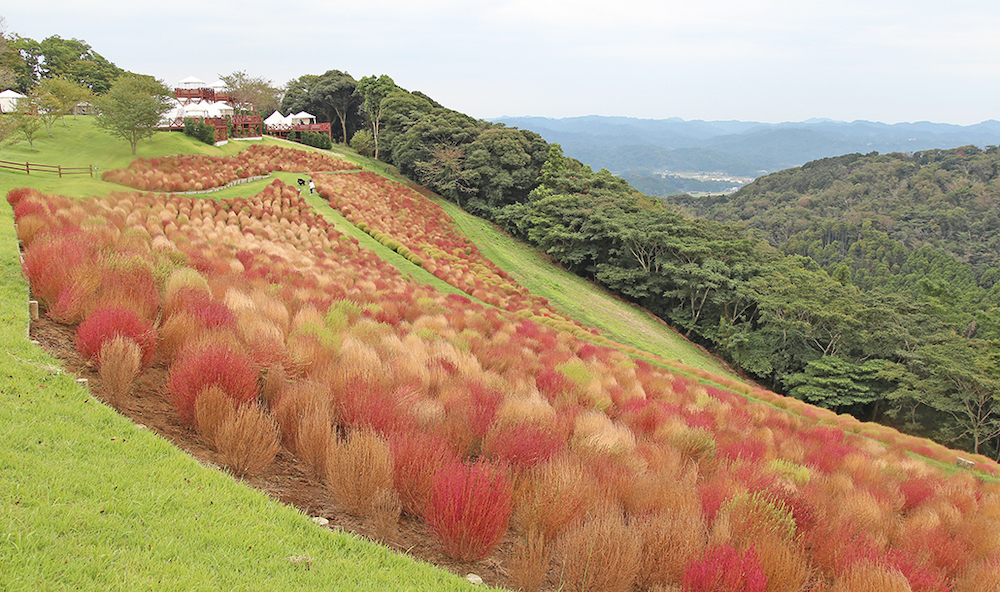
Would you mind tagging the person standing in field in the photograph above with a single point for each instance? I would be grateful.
(312, 186)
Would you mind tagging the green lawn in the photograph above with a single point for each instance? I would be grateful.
(89, 501)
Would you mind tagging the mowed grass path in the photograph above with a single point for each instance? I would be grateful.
(89, 501)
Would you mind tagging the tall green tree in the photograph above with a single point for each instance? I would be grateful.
(329, 96)
(960, 380)
(8, 57)
(133, 107)
(75, 60)
(504, 164)
(373, 91)
(840, 384)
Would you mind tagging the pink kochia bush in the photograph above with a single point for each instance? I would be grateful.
(724, 569)
(108, 322)
(470, 509)
(208, 363)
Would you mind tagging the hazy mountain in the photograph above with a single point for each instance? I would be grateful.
(738, 148)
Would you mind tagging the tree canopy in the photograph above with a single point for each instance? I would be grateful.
(55, 57)
(252, 93)
(132, 108)
(330, 97)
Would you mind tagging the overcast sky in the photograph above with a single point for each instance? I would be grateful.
(769, 60)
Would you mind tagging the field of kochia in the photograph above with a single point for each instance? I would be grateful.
(515, 432)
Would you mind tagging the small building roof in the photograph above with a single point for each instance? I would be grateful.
(191, 82)
(11, 94)
(277, 118)
(302, 116)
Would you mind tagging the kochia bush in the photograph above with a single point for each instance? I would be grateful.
(470, 509)
(108, 322)
(206, 363)
(724, 569)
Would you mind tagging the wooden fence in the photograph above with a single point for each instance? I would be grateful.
(30, 167)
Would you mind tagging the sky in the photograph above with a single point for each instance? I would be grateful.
(769, 60)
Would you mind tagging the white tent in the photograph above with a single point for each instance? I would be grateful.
(277, 118)
(8, 100)
(199, 109)
(191, 82)
(302, 118)
(218, 85)
(219, 109)
(176, 112)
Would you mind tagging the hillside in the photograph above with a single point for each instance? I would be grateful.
(919, 231)
(531, 399)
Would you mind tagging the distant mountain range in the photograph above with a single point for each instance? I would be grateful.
(657, 148)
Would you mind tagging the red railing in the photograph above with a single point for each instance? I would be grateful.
(29, 167)
(284, 128)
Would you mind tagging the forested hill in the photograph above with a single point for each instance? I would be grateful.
(927, 221)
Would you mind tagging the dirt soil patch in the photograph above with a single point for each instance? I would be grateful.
(286, 480)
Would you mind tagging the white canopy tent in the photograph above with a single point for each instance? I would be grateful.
(302, 118)
(8, 100)
(277, 118)
(191, 82)
(219, 109)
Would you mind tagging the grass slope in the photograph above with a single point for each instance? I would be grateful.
(89, 501)
(580, 299)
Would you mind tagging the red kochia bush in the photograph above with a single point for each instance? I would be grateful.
(417, 458)
(523, 445)
(724, 569)
(49, 264)
(108, 322)
(470, 509)
(17, 194)
(210, 363)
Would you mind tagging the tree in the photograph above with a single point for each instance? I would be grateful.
(373, 92)
(503, 164)
(330, 97)
(49, 108)
(25, 119)
(333, 93)
(961, 380)
(255, 94)
(67, 94)
(7, 57)
(8, 132)
(75, 60)
(836, 383)
(132, 108)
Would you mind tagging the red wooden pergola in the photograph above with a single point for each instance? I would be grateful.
(247, 126)
(283, 129)
(186, 95)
